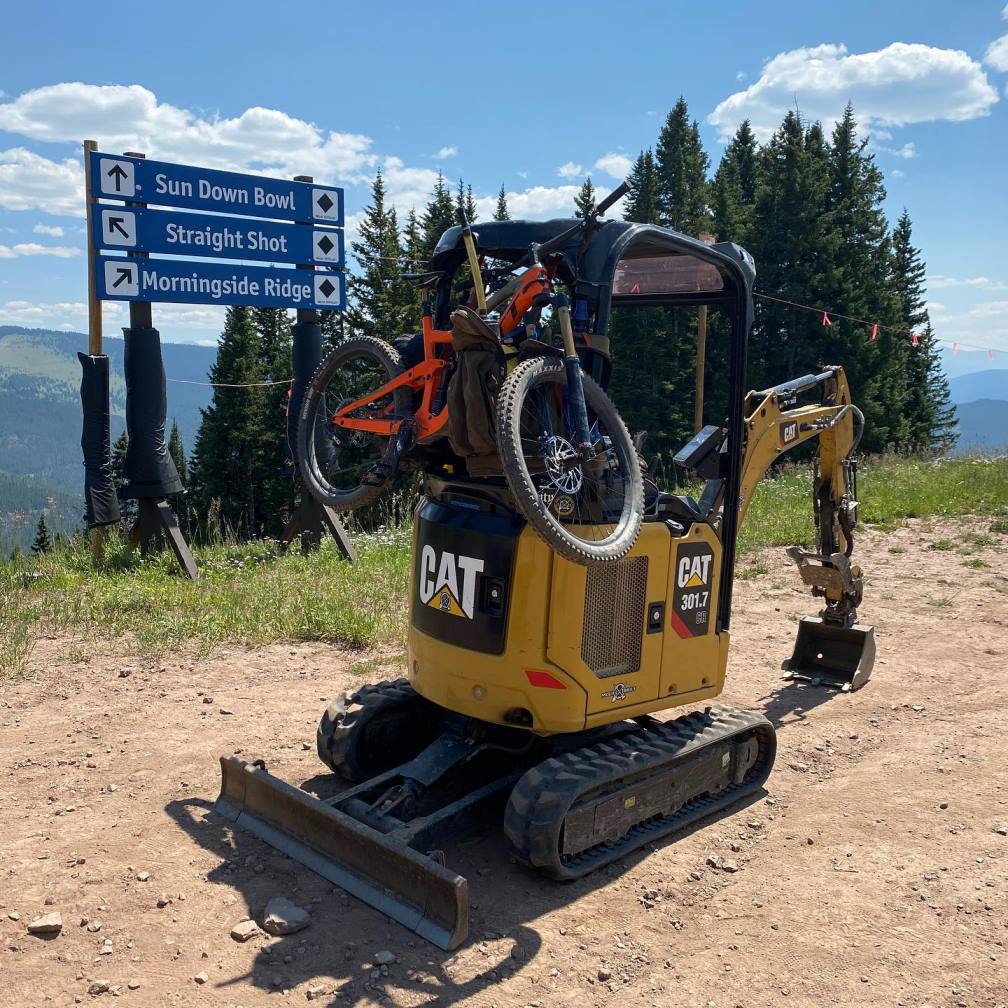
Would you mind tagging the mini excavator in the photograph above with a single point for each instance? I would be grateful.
(534, 681)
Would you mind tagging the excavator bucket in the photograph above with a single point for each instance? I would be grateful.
(831, 655)
(416, 890)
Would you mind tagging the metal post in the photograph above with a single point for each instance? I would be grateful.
(310, 518)
(701, 354)
(94, 312)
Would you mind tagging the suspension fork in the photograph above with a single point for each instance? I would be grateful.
(575, 385)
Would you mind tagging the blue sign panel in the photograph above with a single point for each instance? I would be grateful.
(188, 234)
(121, 279)
(114, 176)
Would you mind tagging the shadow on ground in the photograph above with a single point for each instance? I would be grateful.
(345, 934)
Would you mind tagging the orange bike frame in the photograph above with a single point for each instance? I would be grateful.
(425, 377)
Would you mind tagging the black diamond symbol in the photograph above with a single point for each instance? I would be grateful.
(326, 244)
(325, 202)
(327, 288)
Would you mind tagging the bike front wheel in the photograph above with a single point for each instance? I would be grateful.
(588, 511)
(340, 466)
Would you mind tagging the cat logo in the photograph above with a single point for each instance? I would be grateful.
(448, 583)
(694, 571)
(788, 432)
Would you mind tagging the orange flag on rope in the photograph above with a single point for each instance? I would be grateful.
(874, 332)
(826, 319)
(914, 339)
(955, 348)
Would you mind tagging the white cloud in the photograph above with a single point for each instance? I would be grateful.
(570, 170)
(997, 54)
(938, 281)
(48, 229)
(741, 75)
(614, 164)
(34, 249)
(130, 117)
(31, 182)
(898, 173)
(73, 315)
(900, 84)
(447, 152)
(544, 202)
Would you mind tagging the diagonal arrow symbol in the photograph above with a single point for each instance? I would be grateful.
(116, 224)
(118, 173)
(124, 275)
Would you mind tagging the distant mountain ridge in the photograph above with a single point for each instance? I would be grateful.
(40, 412)
(41, 466)
(992, 384)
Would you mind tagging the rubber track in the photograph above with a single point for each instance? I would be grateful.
(541, 799)
(346, 717)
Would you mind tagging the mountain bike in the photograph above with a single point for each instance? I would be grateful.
(564, 452)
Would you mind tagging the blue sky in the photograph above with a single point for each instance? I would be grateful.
(531, 96)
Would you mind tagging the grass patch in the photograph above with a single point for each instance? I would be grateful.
(942, 544)
(750, 572)
(976, 563)
(890, 489)
(249, 595)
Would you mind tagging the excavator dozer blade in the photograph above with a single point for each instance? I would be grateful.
(835, 656)
(417, 891)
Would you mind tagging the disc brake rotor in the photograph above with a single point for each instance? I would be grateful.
(557, 451)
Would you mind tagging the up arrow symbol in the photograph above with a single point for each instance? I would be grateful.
(118, 173)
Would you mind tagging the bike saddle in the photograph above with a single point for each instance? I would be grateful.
(424, 279)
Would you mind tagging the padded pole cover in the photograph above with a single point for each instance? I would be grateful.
(150, 471)
(306, 355)
(101, 505)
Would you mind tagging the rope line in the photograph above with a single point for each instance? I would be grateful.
(852, 318)
(206, 384)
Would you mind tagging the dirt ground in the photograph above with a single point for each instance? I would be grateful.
(872, 873)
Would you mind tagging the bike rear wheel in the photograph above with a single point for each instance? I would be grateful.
(587, 511)
(341, 467)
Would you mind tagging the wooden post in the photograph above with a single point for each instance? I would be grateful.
(94, 311)
(701, 354)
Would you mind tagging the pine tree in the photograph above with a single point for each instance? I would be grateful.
(127, 508)
(931, 414)
(227, 458)
(642, 200)
(584, 201)
(43, 542)
(682, 173)
(733, 189)
(437, 217)
(375, 287)
(177, 453)
(501, 213)
(788, 239)
(859, 281)
(464, 203)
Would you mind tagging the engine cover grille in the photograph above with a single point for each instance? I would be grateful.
(614, 617)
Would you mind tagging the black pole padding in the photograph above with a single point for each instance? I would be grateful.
(149, 469)
(306, 355)
(101, 505)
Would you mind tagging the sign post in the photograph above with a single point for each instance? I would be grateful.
(232, 239)
(310, 517)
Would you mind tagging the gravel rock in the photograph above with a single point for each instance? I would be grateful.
(317, 990)
(163, 901)
(49, 924)
(98, 987)
(384, 958)
(244, 930)
(133, 984)
(799, 767)
(142, 876)
(603, 975)
(284, 918)
(728, 865)
(201, 978)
